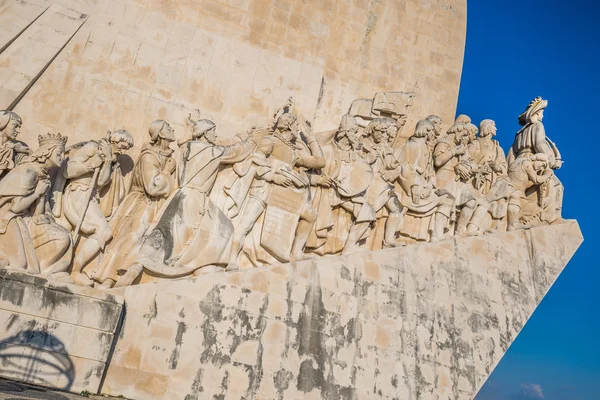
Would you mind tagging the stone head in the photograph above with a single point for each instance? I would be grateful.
(540, 161)
(10, 125)
(487, 127)
(160, 129)
(287, 126)
(205, 128)
(437, 124)
(379, 129)
(534, 112)
(424, 129)
(121, 141)
(51, 150)
(349, 129)
(471, 132)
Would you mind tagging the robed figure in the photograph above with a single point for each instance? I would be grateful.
(152, 181)
(190, 231)
(531, 140)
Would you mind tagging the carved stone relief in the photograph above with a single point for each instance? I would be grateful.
(280, 193)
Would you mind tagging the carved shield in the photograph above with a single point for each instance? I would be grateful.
(354, 178)
(281, 220)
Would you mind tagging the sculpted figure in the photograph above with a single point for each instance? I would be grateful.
(490, 172)
(344, 216)
(88, 168)
(532, 139)
(152, 181)
(11, 151)
(282, 194)
(190, 231)
(530, 174)
(30, 240)
(454, 170)
(436, 134)
(381, 196)
(428, 209)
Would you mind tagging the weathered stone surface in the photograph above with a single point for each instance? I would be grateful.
(134, 61)
(55, 335)
(420, 322)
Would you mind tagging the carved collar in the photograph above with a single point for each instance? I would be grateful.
(149, 147)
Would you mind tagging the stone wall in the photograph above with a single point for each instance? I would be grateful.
(428, 321)
(133, 61)
(55, 335)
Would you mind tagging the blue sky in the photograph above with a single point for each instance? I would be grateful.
(517, 50)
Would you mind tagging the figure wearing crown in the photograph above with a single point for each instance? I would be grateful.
(30, 240)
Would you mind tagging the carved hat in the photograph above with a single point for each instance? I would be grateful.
(534, 107)
(7, 116)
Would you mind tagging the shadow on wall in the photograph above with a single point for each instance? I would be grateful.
(36, 357)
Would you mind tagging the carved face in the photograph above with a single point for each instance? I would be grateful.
(57, 157)
(379, 135)
(211, 135)
(120, 147)
(13, 129)
(540, 166)
(354, 138)
(540, 115)
(167, 133)
(489, 130)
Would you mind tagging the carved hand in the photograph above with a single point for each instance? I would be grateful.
(42, 187)
(282, 180)
(325, 181)
(104, 150)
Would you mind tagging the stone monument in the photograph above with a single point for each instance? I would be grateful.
(278, 234)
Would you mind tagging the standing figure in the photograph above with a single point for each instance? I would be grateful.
(152, 181)
(22, 208)
(344, 216)
(381, 195)
(428, 209)
(89, 167)
(435, 135)
(284, 192)
(532, 139)
(454, 171)
(490, 176)
(11, 151)
(190, 232)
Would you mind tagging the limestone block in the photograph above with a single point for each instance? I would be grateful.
(55, 335)
(425, 321)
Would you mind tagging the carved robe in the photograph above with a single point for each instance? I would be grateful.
(147, 193)
(190, 231)
(417, 190)
(484, 152)
(340, 207)
(16, 247)
(31, 239)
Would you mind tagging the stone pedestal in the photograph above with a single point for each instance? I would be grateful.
(428, 321)
(55, 335)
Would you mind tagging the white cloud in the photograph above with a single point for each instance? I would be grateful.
(532, 391)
